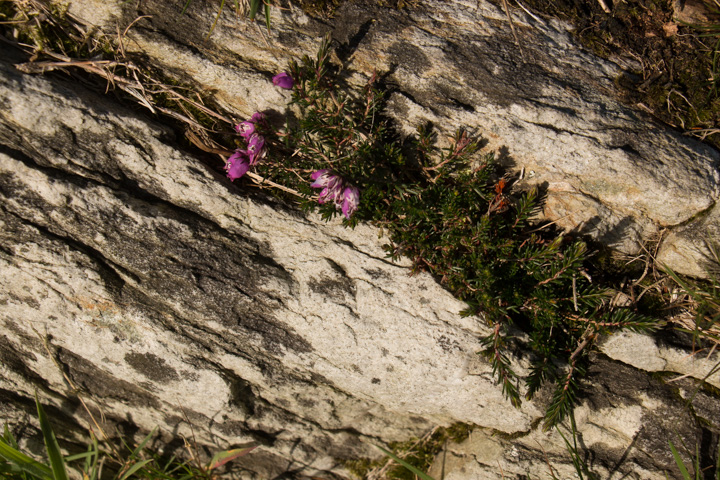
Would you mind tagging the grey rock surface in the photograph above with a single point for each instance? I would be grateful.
(643, 352)
(163, 291)
(628, 416)
(546, 104)
(135, 273)
(692, 248)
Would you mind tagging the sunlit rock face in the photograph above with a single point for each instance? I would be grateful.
(547, 106)
(135, 273)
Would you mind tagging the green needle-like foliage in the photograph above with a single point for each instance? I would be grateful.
(455, 214)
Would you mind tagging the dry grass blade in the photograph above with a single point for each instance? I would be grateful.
(512, 28)
(257, 179)
(144, 89)
(76, 391)
(173, 93)
(101, 68)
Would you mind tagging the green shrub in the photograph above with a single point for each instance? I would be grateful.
(454, 213)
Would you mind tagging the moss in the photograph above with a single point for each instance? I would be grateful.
(597, 45)
(418, 453)
(674, 83)
(459, 432)
(319, 7)
(535, 424)
(7, 11)
(710, 389)
(361, 467)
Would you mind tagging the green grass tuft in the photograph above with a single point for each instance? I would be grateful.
(135, 462)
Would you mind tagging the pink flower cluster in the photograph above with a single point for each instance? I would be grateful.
(240, 162)
(345, 197)
(334, 189)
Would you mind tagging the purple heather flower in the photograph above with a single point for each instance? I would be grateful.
(331, 185)
(329, 194)
(320, 177)
(351, 198)
(248, 127)
(256, 150)
(283, 80)
(245, 129)
(237, 165)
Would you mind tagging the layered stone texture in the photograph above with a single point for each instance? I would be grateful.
(137, 277)
(549, 107)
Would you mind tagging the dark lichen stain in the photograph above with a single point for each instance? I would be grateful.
(409, 55)
(149, 386)
(376, 273)
(152, 366)
(188, 417)
(276, 337)
(335, 289)
(448, 344)
(375, 380)
(626, 387)
(335, 285)
(232, 428)
(490, 65)
(317, 379)
(101, 384)
(677, 76)
(242, 396)
(306, 402)
(16, 359)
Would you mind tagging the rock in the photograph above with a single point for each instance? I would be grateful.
(695, 12)
(643, 352)
(688, 250)
(164, 292)
(136, 275)
(626, 414)
(551, 107)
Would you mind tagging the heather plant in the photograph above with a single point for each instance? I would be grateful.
(456, 215)
(452, 211)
